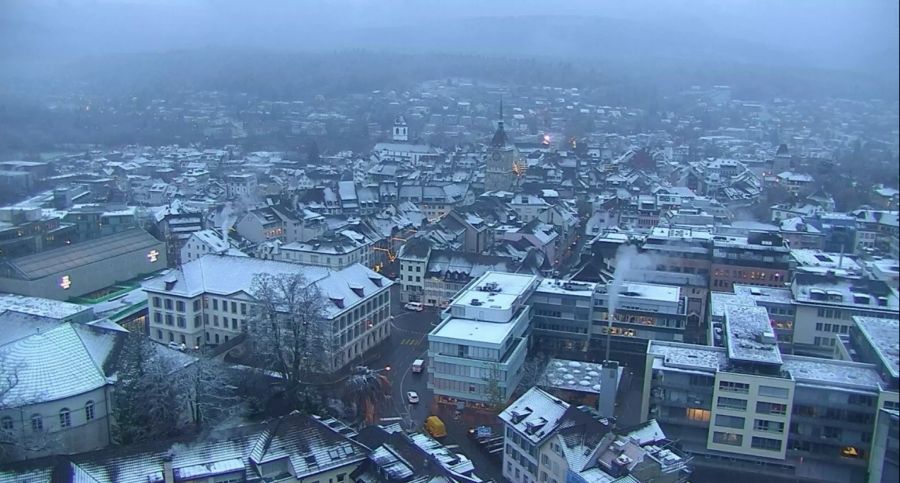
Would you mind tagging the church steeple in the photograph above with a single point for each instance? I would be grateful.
(499, 140)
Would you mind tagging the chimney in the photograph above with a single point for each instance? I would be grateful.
(609, 385)
(168, 471)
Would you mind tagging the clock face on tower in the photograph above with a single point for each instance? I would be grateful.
(496, 156)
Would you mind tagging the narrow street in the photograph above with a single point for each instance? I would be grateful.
(408, 342)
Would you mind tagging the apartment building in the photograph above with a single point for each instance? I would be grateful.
(204, 242)
(561, 316)
(413, 259)
(476, 352)
(747, 406)
(756, 259)
(643, 312)
(337, 251)
(686, 252)
(825, 304)
(549, 440)
(779, 303)
(209, 301)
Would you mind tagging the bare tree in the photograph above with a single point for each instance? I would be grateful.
(288, 333)
(533, 370)
(496, 397)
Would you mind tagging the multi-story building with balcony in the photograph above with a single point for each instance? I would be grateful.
(825, 304)
(643, 312)
(209, 301)
(755, 259)
(747, 406)
(476, 352)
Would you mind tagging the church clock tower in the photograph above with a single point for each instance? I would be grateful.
(502, 160)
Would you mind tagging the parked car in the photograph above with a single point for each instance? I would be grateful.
(412, 397)
(435, 427)
(415, 306)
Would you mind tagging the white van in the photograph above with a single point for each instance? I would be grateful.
(415, 306)
(417, 365)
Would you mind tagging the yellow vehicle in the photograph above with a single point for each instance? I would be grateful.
(435, 427)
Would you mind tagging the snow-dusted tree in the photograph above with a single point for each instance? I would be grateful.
(213, 391)
(149, 397)
(366, 388)
(533, 371)
(288, 333)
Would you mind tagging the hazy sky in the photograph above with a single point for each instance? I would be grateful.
(845, 33)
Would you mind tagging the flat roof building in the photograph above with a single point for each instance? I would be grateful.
(83, 268)
(749, 406)
(477, 350)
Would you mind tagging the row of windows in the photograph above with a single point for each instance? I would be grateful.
(37, 421)
(836, 328)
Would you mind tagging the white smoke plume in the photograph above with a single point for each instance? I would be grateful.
(629, 262)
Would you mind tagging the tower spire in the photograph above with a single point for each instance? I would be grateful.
(501, 109)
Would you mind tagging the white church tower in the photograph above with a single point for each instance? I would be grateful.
(401, 130)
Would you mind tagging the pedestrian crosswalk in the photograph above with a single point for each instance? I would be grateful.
(411, 341)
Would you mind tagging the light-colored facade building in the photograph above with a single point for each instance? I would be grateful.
(750, 407)
(209, 302)
(476, 352)
(413, 258)
(344, 249)
(825, 304)
(205, 242)
(59, 404)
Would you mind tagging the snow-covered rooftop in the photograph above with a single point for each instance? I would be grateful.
(474, 331)
(557, 286)
(495, 290)
(833, 373)
(575, 376)
(884, 336)
(61, 362)
(535, 415)
(227, 275)
(53, 309)
(818, 258)
(750, 337)
(764, 294)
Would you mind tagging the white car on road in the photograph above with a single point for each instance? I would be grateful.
(412, 397)
(416, 306)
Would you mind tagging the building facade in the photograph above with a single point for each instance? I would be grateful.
(210, 301)
(476, 352)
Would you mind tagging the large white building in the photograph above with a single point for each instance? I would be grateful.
(340, 251)
(204, 242)
(476, 352)
(209, 301)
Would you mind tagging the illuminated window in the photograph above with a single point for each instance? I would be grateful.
(696, 414)
(153, 255)
(65, 282)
